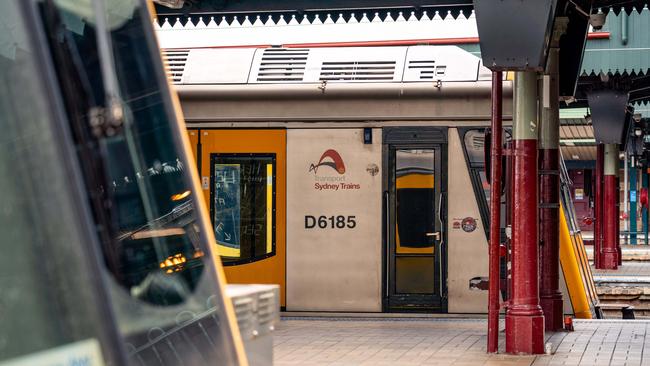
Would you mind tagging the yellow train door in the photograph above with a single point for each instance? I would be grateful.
(243, 176)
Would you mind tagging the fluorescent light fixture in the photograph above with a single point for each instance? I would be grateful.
(575, 142)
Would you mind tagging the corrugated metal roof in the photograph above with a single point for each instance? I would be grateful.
(576, 132)
(617, 6)
(584, 153)
(576, 135)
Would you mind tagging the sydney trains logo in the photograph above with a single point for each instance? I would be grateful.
(330, 158)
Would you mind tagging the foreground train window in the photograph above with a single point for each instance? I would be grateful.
(242, 206)
(163, 286)
(51, 304)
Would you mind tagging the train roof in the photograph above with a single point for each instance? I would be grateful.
(405, 64)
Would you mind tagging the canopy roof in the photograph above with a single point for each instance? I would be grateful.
(288, 7)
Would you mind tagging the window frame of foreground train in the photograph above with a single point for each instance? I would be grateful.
(237, 158)
(129, 144)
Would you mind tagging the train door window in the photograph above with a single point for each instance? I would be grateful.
(415, 221)
(242, 206)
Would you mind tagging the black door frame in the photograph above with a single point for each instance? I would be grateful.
(395, 138)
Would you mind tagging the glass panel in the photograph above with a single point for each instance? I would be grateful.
(474, 145)
(47, 276)
(415, 275)
(163, 284)
(415, 197)
(485, 184)
(243, 198)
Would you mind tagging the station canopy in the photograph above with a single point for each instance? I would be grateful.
(288, 7)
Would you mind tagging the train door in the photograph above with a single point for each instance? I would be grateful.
(415, 219)
(243, 177)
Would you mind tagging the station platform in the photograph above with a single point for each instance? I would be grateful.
(629, 284)
(450, 341)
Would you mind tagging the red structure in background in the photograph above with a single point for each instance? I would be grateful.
(582, 196)
(618, 220)
(549, 219)
(549, 192)
(495, 214)
(609, 250)
(598, 205)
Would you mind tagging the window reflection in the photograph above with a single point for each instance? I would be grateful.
(243, 206)
(50, 298)
(167, 305)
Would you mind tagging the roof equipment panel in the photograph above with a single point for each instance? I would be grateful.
(175, 61)
(356, 64)
(218, 66)
(278, 65)
(444, 63)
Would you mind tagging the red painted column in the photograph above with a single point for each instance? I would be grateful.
(609, 258)
(598, 205)
(618, 220)
(495, 215)
(524, 318)
(549, 192)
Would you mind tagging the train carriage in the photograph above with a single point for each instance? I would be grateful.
(369, 160)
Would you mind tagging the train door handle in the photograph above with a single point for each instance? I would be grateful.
(436, 235)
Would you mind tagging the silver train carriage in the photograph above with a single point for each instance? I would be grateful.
(353, 177)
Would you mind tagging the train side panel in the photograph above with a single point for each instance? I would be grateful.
(466, 251)
(334, 226)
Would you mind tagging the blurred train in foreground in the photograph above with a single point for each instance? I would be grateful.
(108, 256)
(353, 177)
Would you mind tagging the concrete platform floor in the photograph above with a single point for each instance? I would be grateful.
(628, 268)
(639, 252)
(426, 341)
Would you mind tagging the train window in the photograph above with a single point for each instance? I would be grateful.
(474, 146)
(163, 286)
(415, 199)
(242, 206)
(474, 143)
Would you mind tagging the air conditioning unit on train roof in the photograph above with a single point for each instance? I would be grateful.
(444, 63)
(329, 64)
(356, 64)
(217, 66)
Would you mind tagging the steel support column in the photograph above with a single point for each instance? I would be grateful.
(609, 258)
(549, 192)
(495, 214)
(524, 318)
(598, 206)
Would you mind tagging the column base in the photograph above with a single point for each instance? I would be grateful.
(609, 259)
(553, 308)
(524, 334)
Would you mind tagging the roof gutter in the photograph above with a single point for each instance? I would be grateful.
(378, 43)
